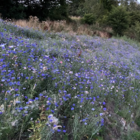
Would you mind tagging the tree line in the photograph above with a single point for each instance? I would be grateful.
(57, 9)
(22, 9)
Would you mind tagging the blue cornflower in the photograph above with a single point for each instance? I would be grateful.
(104, 109)
(85, 123)
(102, 122)
(26, 97)
(72, 108)
(21, 108)
(64, 131)
(18, 102)
(36, 98)
(49, 98)
(52, 111)
(103, 103)
(47, 108)
(93, 109)
(58, 130)
(84, 120)
(40, 94)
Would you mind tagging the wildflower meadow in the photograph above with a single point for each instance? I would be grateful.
(59, 86)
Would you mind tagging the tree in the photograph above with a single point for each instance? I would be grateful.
(43, 9)
(12, 9)
(74, 7)
(107, 4)
(118, 19)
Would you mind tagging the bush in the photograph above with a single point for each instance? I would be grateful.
(136, 135)
(135, 31)
(88, 18)
(103, 20)
(118, 20)
(134, 17)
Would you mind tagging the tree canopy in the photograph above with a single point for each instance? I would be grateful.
(43, 9)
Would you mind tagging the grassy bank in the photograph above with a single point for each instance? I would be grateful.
(60, 86)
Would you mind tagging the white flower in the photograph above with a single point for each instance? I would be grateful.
(2, 45)
(71, 72)
(86, 92)
(44, 68)
(74, 87)
(2, 108)
(11, 46)
(52, 119)
(14, 123)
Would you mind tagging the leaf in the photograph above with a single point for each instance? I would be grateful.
(65, 137)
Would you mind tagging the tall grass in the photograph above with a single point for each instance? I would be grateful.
(73, 27)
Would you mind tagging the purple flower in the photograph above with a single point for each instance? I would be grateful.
(104, 109)
(72, 108)
(36, 98)
(64, 131)
(104, 103)
(58, 130)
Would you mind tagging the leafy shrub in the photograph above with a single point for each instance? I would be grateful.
(88, 18)
(118, 20)
(137, 121)
(103, 20)
(137, 30)
(136, 135)
(134, 31)
(134, 17)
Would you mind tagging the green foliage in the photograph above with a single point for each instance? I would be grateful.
(118, 20)
(107, 4)
(38, 126)
(137, 121)
(45, 9)
(134, 17)
(134, 31)
(135, 135)
(6, 133)
(88, 18)
(9, 9)
(74, 7)
(103, 20)
(80, 129)
(59, 12)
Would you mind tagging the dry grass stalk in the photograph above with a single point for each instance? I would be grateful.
(59, 26)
